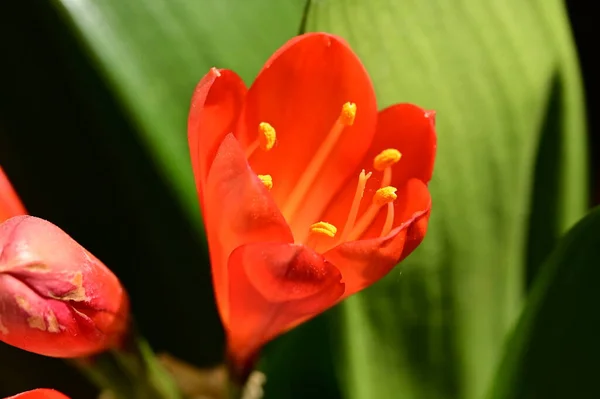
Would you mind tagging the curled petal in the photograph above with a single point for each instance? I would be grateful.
(274, 287)
(10, 204)
(41, 393)
(364, 262)
(215, 106)
(238, 210)
(300, 92)
(56, 299)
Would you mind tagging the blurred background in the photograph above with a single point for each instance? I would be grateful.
(95, 97)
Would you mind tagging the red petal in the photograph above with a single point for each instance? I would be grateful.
(215, 107)
(274, 287)
(364, 262)
(411, 130)
(300, 91)
(40, 394)
(10, 204)
(237, 210)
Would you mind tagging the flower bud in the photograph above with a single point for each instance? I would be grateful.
(40, 394)
(10, 204)
(56, 299)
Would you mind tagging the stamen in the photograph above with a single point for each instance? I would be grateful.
(267, 180)
(348, 114)
(267, 136)
(360, 190)
(384, 162)
(386, 158)
(319, 234)
(382, 196)
(323, 228)
(389, 220)
(346, 118)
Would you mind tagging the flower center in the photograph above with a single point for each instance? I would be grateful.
(322, 235)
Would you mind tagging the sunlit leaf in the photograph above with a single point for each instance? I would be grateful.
(153, 52)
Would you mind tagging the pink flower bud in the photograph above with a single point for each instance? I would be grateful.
(56, 299)
(40, 394)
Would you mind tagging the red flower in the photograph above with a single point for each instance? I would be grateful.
(10, 205)
(40, 394)
(308, 193)
(56, 299)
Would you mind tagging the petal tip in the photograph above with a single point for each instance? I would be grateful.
(431, 115)
(215, 72)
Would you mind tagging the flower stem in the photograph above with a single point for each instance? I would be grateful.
(131, 372)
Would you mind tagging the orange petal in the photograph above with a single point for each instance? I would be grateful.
(237, 210)
(274, 287)
(214, 110)
(364, 262)
(300, 91)
(40, 394)
(10, 204)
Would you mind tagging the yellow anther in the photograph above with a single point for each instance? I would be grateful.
(324, 228)
(266, 136)
(348, 114)
(267, 180)
(386, 158)
(384, 195)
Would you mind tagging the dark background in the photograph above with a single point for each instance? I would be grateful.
(585, 29)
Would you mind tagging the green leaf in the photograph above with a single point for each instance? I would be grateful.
(554, 351)
(153, 52)
(497, 73)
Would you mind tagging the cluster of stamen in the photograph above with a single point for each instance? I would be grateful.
(353, 228)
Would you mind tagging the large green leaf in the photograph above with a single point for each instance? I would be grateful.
(554, 351)
(503, 78)
(153, 52)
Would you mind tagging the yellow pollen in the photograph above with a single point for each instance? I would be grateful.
(348, 114)
(324, 228)
(386, 158)
(384, 195)
(267, 180)
(266, 136)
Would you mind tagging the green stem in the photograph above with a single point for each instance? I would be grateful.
(234, 391)
(132, 372)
